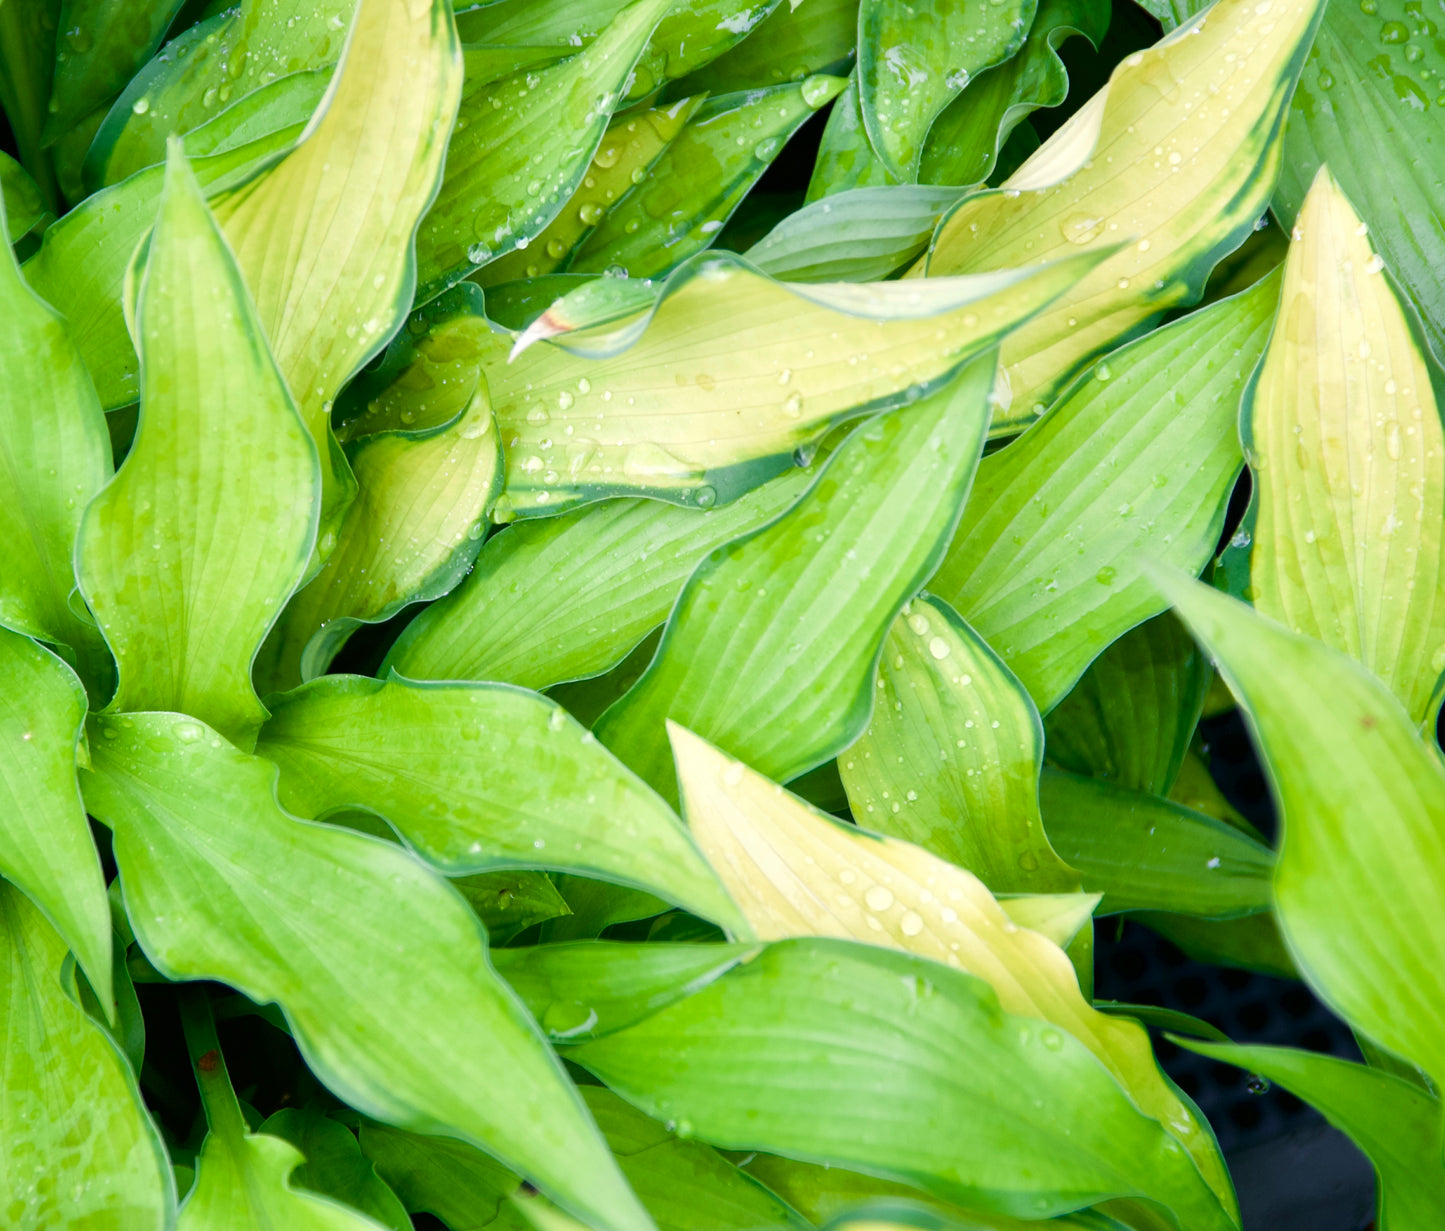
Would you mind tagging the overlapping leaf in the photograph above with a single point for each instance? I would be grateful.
(791, 43)
(445, 1177)
(335, 1167)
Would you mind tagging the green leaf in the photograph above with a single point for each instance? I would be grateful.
(951, 757)
(324, 236)
(76, 1146)
(686, 196)
(1342, 430)
(792, 42)
(1132, 714)
(737, 1065)
(587, 700)
(478, 776)
(521, 150)
(771, 647)
(965, 141)
(54, 456)
(411, 534)
(441, 1176)
(592, 988)
(1146, 853)
(45, 846)
(914, 59)
(335, 1166)
(1250, 942)
(846, 158)
(510, 902)
(1395, 1123)
(1211, 98)
(379, 966)
(661, 417)
(1368, 105)
(797, 872)
(1360, 887)
(686, 1185)
(188, 553)
(854, 236)
(27, 58)
(565, 598)
(24, 207)
(1140, 456)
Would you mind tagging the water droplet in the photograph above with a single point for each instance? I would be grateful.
(590, 213)
(1029, 862)
(565, 400)
(938, 647)
(817, 90)
(1394, 32)
(1081, 228)
(911, 924)
(793, 405)
(607, 156)
(878, 897)
(705, 497)
(1256, 1084)
(1105, 576)
(140, 106)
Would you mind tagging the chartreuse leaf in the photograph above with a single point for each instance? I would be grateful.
(1057, 916)
(686, 196)
(45, 846)
(54, 456)
(1342, 429)
(914, 58)
(76, 1146)
(853, 236)
(379, 966)
(100, 48)
(1146, 853)
(216, 62)
(521, 150)
(1133, 712)
(244, 1179)
(483, 776)
(1211, 98)
(632, 144)
(335, 1167)
(445, 1177)
(1393, 1121)
(791, 43)
(964, 143)
(733, 374)
(1360, 887)
(1139, 457)
(592, 988)
(796, 871)
(187, 555)
(771, 647)
(846, 158)
(325, 235)
(951, 757)
(411, 534)
(686, 1185)
(737, 1064)
(565, 598)
(82, 262)
(20, 196)
(1368, 104)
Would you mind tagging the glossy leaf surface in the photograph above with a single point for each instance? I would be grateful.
(335, 1166)
(445, 1177)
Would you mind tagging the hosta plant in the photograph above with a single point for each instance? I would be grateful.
(598, 595)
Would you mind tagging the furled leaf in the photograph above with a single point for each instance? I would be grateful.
(188, 553)
(965, 141)
(20, 196)
(325, 235)
(1368, 104)
(792, 42)
(411, 534)
(914, 58)
(771, 647)
(335, 1166)
(1395, 1123)
(733, 374)
(445, 1177)
(54, 456)
(736, 1065)
(951, 757)
(380, 968)
(597, 905)
(686, 196)
(215, 63)
(1342, 430)
(798, 872)
(45, 846)
(76, 1146)
(521, 150)
(1211, 99)
(1143, 852)
(478, 776)
(1133, 712)
(1057, 916)
(565, 598)
(633, 143)
(1139, 457)
(1360, 887)
(27, 57)
(588, 989)
(854, 236)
